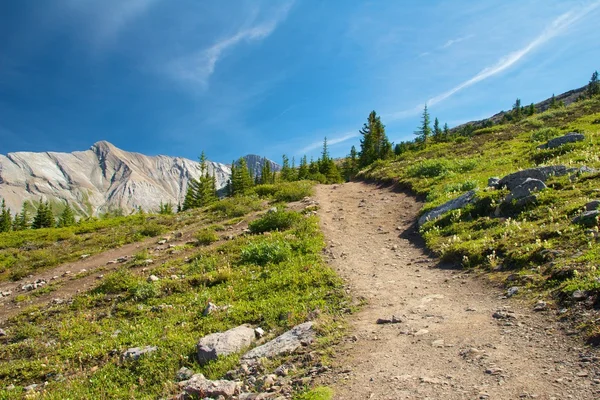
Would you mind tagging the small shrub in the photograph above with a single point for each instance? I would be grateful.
(151, 229)
(264, 252)
(460, 186)
(206, 237)
(272, 221)
(544, 134)
(144, 291)
(117, 282)
(236, 206)
(285, 191)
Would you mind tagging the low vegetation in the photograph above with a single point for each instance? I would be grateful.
(274, 281)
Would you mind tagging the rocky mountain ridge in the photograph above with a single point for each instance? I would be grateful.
(101, 179)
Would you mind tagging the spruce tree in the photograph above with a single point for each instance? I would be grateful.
(22, 220)
(424, 131)
(265, 172)
(374, 144)
(44, 218)
(553, 103)
(446, 132)
(241, 180)
(5, 218)
(517, 110)
(593, 88)
(67, 217)
(303, 169)
(286, 171)
(437, 131)
(350, 166)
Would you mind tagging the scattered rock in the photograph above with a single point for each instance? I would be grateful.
(494, 182)
(438, 343)
(31, 387)
(84, 256)
(2, 332)
(570, 137)
(136, 352)
(212, 346)
(513, 180)
(153, 278)
(122, 259)
(540, 306)
(459, 202)
(272, 210)
(578, 295)
(592, 205)
(393, 320)
(512, 291)
(184, 374)
(525, 189)
(202, 388)
(259, 332)
(588, 218)
(493, 370)
(286, 343)
(161, 242)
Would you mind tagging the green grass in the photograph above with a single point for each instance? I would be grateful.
(273, 281)
(506, 238)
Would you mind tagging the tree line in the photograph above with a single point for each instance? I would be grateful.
(43, 218)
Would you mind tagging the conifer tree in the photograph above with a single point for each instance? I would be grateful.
(437, 131)
(67, 217)
(165, 208)
(350, 166)
(22, 220)
(517, 110)
(303, 169)
(241, 180)
(424, 131)
(446, 132)
(5, 218)
(201, 191)
(553, 103)
(593, 88)
(286, 171)
(44, 218)
(374, 144)
(265, 172)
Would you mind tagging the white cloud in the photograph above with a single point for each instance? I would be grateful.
(199, 67)
(558, 26)
(330, 142)
(454, 41)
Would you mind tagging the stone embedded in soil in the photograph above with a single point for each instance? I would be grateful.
(201, 387)
(286, 343)
(219, 344)
(135, 353)
(393, 320)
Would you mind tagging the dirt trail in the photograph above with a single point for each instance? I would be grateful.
(448, 345)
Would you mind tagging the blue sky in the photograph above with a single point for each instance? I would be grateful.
(177, 77)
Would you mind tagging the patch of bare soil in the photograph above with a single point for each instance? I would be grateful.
(443, 333)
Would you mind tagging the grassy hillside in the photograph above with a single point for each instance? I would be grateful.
(536, 246)
(273, 277)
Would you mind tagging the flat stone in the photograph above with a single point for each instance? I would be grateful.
(135, 353)
(285, 343)
(201, 387)
(592, 205)
(525, 189)
(219, 344)
(459, 202)
(512, 291)
(570, 137)
(578, 295)
(184, 374)
(588, 218)
(153, 278)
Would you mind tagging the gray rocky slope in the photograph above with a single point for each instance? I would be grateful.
(100, 179)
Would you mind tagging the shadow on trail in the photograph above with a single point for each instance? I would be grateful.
(412, 232)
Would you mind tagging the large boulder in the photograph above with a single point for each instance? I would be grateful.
(286, 343)
(200, 387)
(570, 137)
(515, 179)
(525, 189)
(453, 204)
(224, 343)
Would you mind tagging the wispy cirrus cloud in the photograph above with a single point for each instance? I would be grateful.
(451, 42)
(198, 67)
(330, 142)
(555, 28)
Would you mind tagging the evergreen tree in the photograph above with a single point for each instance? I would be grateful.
(241, 180)
(44, 218)
(531, 109)
(437, 131)
(446, 132)
(593, 88)
(553, 103)
(202, 191)
(303, 169)
(400, 148)
(67, 218)
(165, 208)
(286, 171)
(374, 144)
(424, 131)
(5, 218)
(350, 166)
(517, 110)
(190, 199)
(265, 172)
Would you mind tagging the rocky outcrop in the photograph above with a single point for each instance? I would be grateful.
(570, 137)
(219, 344)
(286, 343)
(525, 189)
(453, 204)
(588, 218)
(515, 179)
(100, 179)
